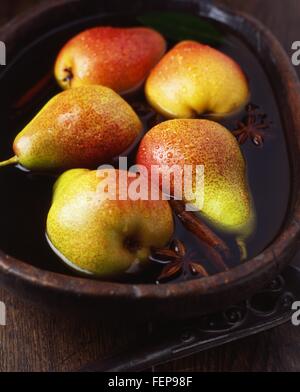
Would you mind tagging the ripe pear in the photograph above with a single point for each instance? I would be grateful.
(96, 235)
(80, 127)
(192, 79)
(119, 58)
(227, 199)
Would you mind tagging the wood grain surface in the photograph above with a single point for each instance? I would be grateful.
(35, 340)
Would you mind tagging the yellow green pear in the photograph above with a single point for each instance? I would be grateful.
(226, 200)
(80, 127)
(99, 236)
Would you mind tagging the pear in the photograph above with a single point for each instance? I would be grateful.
(119, 58)
(192, 79)
(104, 237)
(227, 200)
(80, 127)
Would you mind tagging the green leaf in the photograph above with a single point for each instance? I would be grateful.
(181, 26)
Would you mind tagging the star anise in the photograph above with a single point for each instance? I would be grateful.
(177, 262)
(252, 126)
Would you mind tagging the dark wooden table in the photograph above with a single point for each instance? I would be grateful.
(35, 340)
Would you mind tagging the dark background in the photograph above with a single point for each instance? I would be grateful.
(34, 340)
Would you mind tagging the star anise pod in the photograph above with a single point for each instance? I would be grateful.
(252, 126)
(168, 255)
(197, 269)
(177, 262)
(171, 270)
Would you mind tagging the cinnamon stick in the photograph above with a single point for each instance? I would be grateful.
(33, 91)
(200, 229)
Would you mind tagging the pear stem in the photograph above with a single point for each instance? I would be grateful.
(12, 161)
(242, 247)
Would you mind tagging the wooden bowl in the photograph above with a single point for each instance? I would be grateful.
(190, 298)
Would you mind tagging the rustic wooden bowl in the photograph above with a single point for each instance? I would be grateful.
(191, 298)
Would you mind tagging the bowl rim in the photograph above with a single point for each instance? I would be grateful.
(263, 267)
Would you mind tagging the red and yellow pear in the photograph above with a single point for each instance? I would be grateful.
(226, 200)
(193, 79)
(119, 58)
